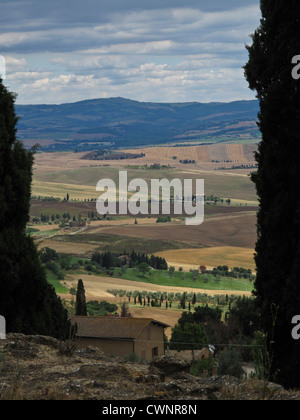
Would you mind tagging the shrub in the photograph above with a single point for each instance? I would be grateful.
(230, 363)
(133, 357)
(60, 275)
(54, 267)
(199, 367)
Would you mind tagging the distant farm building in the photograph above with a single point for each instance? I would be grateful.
(126, 258)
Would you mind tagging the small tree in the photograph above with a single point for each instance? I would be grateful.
(124, 311)
(203, 269)
(171, 270)
(182, 301)
(230, 363)
(195, 274)
(143, 268)
(80, 307)
(194, 299)
(188, 337)
(140, 299)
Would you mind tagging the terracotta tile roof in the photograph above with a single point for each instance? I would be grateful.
(111, 327)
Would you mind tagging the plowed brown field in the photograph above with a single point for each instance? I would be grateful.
(238, 230)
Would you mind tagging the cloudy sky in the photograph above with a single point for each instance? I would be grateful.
(156, 50)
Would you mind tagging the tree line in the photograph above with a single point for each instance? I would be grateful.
(110, 259)
(184, 300)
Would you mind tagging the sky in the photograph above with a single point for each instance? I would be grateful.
(151, 51)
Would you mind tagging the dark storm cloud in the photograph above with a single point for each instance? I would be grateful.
(62, 26)
(36, 13)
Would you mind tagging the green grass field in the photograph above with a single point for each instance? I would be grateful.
(180, 279)
(163, 278)
(53, 280)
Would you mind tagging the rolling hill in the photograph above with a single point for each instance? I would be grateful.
(119, 123)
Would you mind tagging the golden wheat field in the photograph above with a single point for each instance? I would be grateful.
(201, 154)
(210, 257)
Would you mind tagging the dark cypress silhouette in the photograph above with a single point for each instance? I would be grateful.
(277, 180)
(80, 307)
(27, 301)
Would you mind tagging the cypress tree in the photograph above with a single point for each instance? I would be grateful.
(277, 180)
(28, 303)
(80, 307)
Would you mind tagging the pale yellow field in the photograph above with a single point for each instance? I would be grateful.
(201, 154)
(210, 257)
(48, 162)
(60, 190)
(76, 248)
(56, 174)
(44, 228)
(97, 226)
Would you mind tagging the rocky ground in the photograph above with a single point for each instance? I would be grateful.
(43, 368)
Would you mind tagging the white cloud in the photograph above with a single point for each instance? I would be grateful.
(164, 54)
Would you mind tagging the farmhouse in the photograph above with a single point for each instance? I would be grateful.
(121, 336)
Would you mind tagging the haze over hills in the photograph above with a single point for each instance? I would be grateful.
(120, 122)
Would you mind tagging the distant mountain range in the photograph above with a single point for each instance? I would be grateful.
(119, 122)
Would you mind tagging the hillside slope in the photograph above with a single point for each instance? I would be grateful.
(37, 368)
(124, 122)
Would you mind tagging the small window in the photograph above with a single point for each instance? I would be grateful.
(154, 351)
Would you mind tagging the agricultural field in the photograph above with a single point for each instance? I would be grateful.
(54, 178)
(237, 230)
(223, 255)
(64, 190)
(203, 154)
(108, 288)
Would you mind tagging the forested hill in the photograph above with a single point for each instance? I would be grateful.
(124, 122)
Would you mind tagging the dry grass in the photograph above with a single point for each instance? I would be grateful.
(60, 190)
(45, 228)
(201, 154)
(77, 248)
(210, 257)
(99, 224)
(56, 174)
(235, 153)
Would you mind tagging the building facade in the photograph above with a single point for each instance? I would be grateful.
(117, 336)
